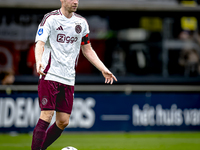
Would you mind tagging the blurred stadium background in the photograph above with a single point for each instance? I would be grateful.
(152, 46)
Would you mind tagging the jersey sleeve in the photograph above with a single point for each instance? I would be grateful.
(43, 31)
(85, 37)
(86, 29)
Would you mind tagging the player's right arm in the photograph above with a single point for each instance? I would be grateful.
(41, 38)
(39, 49)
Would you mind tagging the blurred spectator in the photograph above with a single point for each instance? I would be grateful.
(7, 77)
(189, 56)
(6, 66)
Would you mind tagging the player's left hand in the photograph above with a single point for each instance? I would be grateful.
(108, 77)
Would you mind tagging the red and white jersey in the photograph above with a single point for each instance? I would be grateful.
(63, 38)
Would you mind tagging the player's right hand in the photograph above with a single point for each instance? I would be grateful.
(40, 66)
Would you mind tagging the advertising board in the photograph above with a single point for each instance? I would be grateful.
(142, 111)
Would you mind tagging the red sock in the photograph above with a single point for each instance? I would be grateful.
(39, 134)
(52, 134)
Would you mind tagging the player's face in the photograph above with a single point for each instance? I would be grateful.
(70, 5)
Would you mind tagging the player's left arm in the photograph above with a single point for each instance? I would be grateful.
(91, 55)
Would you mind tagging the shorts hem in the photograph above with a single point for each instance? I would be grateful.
(43, 109)
(47, 109)
(63, 111)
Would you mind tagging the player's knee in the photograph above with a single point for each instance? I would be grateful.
(62, 123)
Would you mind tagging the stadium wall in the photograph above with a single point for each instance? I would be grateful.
(152, 5)
(120, 110)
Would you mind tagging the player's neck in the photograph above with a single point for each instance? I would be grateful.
(66, 13)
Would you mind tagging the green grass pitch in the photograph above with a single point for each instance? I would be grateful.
(111, 141)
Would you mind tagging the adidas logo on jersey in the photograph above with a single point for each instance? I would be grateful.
(59, 28)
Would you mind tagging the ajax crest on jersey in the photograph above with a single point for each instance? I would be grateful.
(78, 29)
(69, 148)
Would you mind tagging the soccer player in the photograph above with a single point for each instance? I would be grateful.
(59, 38)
